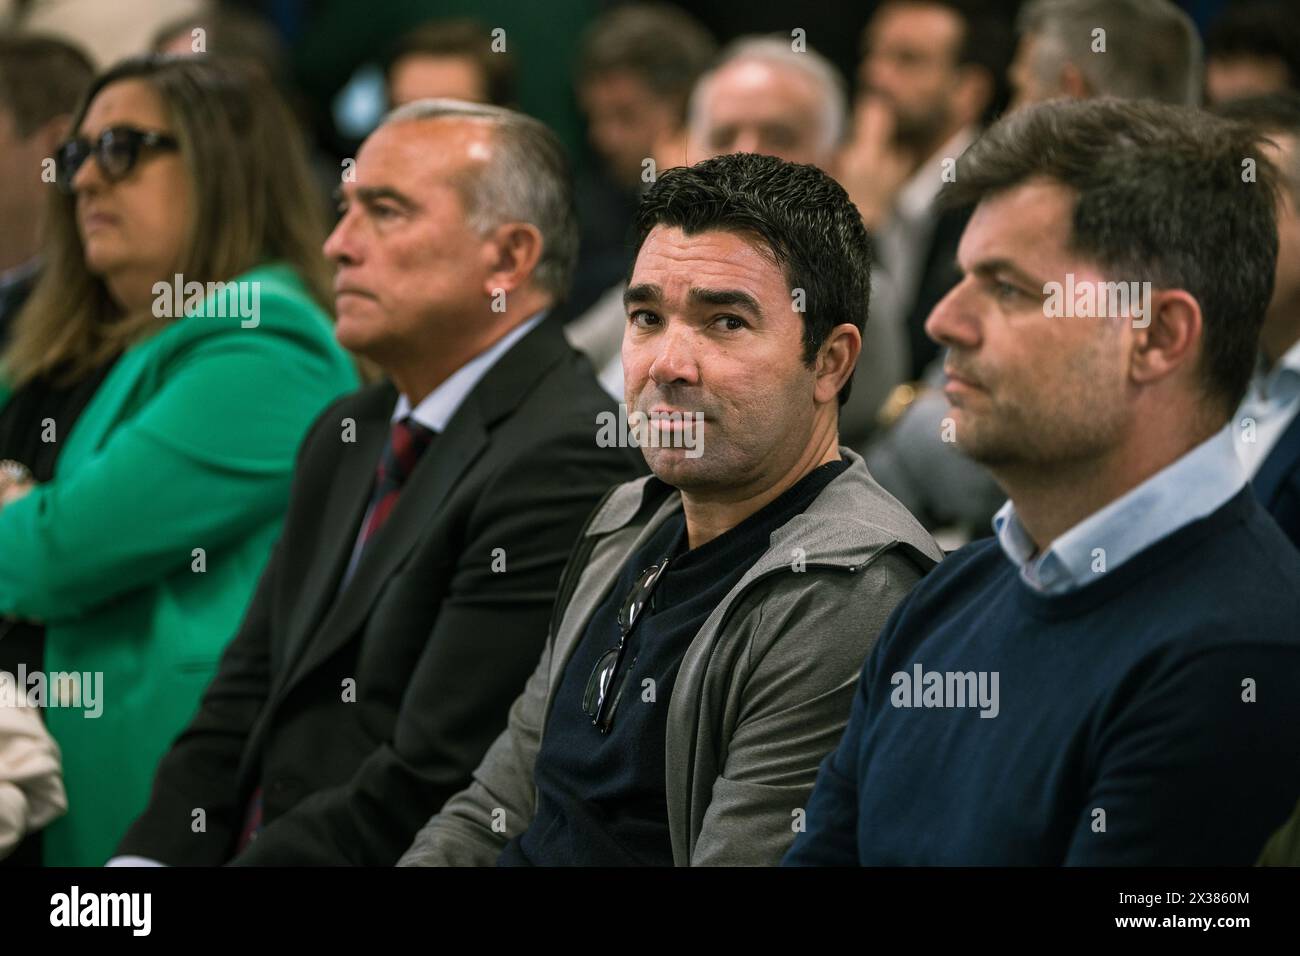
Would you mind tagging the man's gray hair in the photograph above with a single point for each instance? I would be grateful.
(527, 180)
(1152, 49)
(776, 51)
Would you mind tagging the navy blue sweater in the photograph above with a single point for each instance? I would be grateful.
(1151, 717)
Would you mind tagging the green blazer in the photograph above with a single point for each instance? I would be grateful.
(188, 444)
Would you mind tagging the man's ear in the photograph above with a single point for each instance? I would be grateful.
(1171, 338)
(836, 360)
(513, 250)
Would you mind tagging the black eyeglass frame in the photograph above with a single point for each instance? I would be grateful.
(73, 153)
(628, 617)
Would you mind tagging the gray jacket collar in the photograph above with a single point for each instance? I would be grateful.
(830, 531)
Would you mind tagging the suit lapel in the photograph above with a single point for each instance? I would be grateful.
(421, 498)
(466, 437)
(341, 517)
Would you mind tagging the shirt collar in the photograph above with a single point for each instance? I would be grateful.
(1195, 485)
(436, 408)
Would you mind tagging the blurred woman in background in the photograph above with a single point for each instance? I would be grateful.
(152, 398)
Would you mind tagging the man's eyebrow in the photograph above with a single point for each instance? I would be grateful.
(649, 292)
(726, 297)
(989, 267)
(642, 292)
(373, 194)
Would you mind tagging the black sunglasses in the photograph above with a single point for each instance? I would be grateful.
(117, 150)
(601, 681)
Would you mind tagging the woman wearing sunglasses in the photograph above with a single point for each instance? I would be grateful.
(152, 397)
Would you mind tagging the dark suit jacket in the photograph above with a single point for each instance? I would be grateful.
(1277, 483)
(436, 643)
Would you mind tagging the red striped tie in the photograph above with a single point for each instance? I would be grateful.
(406, 443)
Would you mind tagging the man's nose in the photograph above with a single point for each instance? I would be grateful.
(954, 321)
(341, 246)
(675, 361)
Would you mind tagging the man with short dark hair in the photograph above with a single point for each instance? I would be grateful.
(1267, 425)
(41, 82)
(1112, 680)
(713, 616)
(762, 97)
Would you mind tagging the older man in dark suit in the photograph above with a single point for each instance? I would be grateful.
(406, 602)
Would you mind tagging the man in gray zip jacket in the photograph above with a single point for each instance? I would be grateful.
(713, 618)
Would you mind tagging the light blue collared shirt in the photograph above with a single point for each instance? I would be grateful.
(1270, 405)
(436, 408)
(1195, 485)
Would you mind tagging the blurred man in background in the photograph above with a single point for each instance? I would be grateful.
(452, 59)
(1267, 426)
(1251, 49)
(765, 97)
(1152, 52)
(932, 71)
(1135, 49)
(41, 82)
(230, 33)
(635, 70)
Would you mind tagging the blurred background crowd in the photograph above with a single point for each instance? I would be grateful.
(878, 94)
